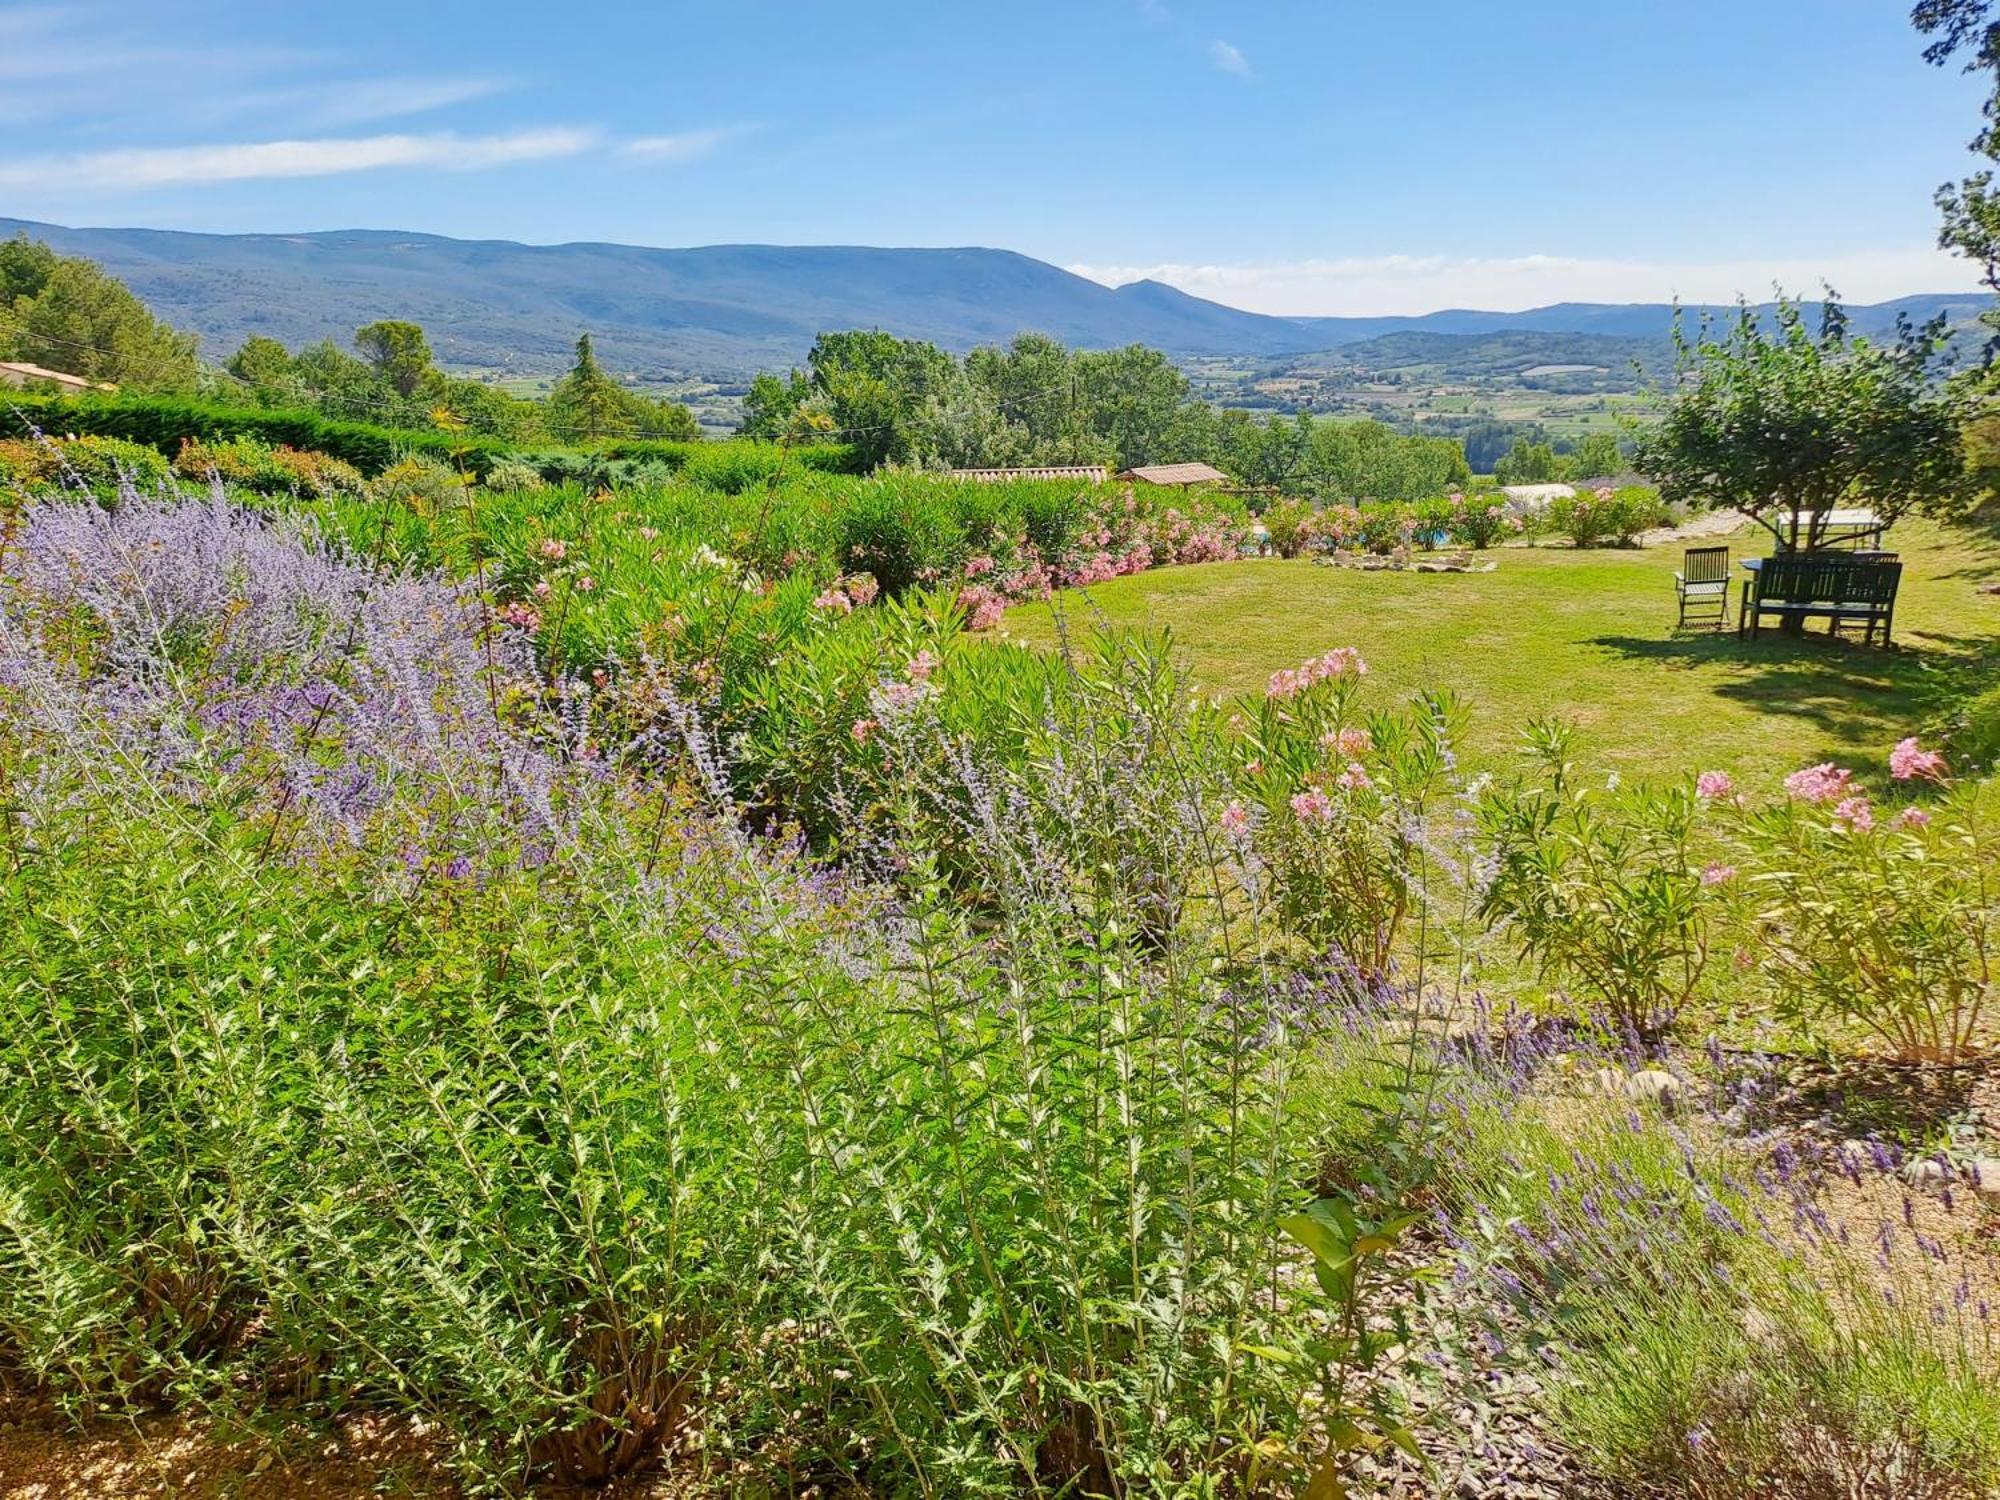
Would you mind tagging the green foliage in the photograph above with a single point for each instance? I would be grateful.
(1890, 930)
(398, 351)
(1786, 422)
(165, 423)
(65, 313)
(268, 470)
(587, 403)
(93, 463)
(1601, 889)
(1591, 518)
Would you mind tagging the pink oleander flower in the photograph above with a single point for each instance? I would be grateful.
(979, 567)
(983, 607)
(1284, 684)
(1822, 783)
(1312, 806)
(523, 616)
(1913, 817)
(863, 730)
(834, 601)
(541, 589)
(586, 585)
(921, 666)
(1717, 873)
(1354, 778)
(1910, 760)
(555, 549)
(1342, 661)
(861, 588)
(1713, 786)
(1856, 813)
(1234, 819)
(898, 696)
(1351, 743)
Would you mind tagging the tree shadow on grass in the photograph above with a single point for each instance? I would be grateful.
(1858, 696)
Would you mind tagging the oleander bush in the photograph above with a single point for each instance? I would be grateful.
(612, 979)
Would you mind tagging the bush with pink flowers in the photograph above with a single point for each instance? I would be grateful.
(1870, 919)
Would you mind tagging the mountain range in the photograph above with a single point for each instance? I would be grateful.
(724, 311)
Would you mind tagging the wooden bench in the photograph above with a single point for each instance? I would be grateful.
(1839, 588)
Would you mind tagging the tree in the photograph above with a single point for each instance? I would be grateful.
(875, 384)
(771, 405)
(265, 365)
(1595, 457)
(1789, 423)
(1527, 463)
(1970, 208)
(399, 353)
(587, 401)
(71, 314)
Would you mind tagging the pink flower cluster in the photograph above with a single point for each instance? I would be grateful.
(1312, 806)
(1714, 786)
(834, 601)
(554, 548)
(1342, 661)
(1819, 784)
(861, 588)
(983, 606)
(1910, 760)
(522, 616)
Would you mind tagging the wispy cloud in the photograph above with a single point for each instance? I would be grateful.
(85, 68)
(1229, 59)
(180, 165)
(685, 146)
(1408, 284)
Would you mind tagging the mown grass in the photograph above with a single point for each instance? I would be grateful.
(1590, 636)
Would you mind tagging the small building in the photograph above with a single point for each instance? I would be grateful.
(1176, 476)
(1085, 473)
(20, 373)
(1528, 499)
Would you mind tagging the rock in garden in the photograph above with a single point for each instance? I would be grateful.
(1653, 1086)
(1984, 1172)
(1922, 1172)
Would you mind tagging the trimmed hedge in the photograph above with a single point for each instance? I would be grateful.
(163, 422)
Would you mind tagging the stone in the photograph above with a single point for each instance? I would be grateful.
(1984, 1174)
(1922, 1172)
(1654, 1086)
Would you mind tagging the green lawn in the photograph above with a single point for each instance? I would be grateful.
(1588, 635)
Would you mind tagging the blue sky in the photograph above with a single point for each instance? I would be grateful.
(1343, 156)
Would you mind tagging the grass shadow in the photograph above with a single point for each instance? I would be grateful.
(1852, 693)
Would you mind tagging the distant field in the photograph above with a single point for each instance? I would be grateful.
(1588, 635)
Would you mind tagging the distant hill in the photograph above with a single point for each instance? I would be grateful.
(727, 310)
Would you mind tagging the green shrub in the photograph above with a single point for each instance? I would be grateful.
(513, 474)
(420, 483)
(164, 423)
(1602, 890)
(247, 463)
(1860, 919)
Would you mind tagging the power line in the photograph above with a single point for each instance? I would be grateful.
(1010, 403)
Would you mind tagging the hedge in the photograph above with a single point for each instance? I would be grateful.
(165, 422)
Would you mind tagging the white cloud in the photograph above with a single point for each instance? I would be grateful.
(1387, 285)
(178, 165)
(688, 145)
(1229, 59)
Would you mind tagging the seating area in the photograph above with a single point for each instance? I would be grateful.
(1702, 586)
(1843, 588)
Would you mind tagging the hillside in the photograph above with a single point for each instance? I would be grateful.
(727, 310)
